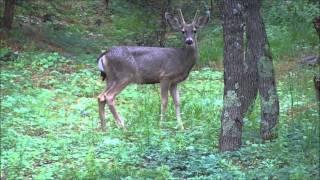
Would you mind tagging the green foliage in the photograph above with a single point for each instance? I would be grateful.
(49, 111)
(291, 31)
(74, 30)
(211, 45)
(49, 120)
(4, 51)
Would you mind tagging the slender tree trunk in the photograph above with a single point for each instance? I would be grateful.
(316, 78)
(103, 7)
(8, 13)
(162, 30)
(316, 24)
(232, 116)
(211, 6)
(259, 49)
(163, 24)
(316, 81)
(107, 4)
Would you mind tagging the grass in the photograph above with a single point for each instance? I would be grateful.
(49, 127)
(49, 109)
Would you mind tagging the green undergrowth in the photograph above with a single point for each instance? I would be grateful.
(49, 127)
(74, 29)
(291, 32)
(81, 27)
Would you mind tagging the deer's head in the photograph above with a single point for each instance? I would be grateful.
(189, 31)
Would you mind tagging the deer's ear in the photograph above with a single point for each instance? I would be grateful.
(202, 21)
(173, 21)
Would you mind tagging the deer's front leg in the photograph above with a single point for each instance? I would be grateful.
(176, 99)
(164, 88)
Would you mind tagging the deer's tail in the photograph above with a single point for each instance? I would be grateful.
(101, 60)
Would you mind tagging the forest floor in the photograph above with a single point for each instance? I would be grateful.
(50, 120)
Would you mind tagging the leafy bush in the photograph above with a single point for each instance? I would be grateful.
(291, 31)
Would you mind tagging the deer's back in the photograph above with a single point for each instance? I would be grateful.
(147, 64)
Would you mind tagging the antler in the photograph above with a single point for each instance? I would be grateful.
(181, 16)
(195, 17)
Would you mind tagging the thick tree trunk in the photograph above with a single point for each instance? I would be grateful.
(8, 13)
(243, 78)
(232, 116)
(250, 85)
(259, 49)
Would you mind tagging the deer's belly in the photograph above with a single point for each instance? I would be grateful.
(180, 78)
(148, 82)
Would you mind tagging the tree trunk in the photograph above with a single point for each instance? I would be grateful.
(8, 13)
(105, 4)
(103, 7)
(249, 89)
(316, 81)
(244, 77)
(316, 24)
(163, 23)
(211, 6)
(232, 119)
(259, 49)
(162, 29)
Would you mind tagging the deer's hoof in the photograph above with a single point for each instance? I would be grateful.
(101, 98)
(102, 129)
(160, 124)
(120, 124)
(180, 127)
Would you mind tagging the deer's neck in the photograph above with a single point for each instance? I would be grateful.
(191, 53)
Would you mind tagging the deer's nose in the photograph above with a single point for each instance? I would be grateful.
(189, 41)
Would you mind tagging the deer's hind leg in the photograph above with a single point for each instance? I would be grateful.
(110, 100)
(102, 103)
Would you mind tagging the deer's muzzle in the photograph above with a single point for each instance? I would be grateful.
(189, 41)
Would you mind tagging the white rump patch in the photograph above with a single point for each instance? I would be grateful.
(101, 62)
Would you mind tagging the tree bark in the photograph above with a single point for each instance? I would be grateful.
(316, 24)
(232, 118)
(249, 88)
(103, 7)
(244, 77)
(259, 50)
(163, 23)
(105, 4)
(8, 13)
(316, 81)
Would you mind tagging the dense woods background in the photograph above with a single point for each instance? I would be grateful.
(49, 84)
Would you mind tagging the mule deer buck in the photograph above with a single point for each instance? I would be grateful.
(123, 65)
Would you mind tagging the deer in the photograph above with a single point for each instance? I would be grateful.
(124, 65)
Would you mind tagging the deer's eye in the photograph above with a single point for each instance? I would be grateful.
(183, 31)
(194, 31)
